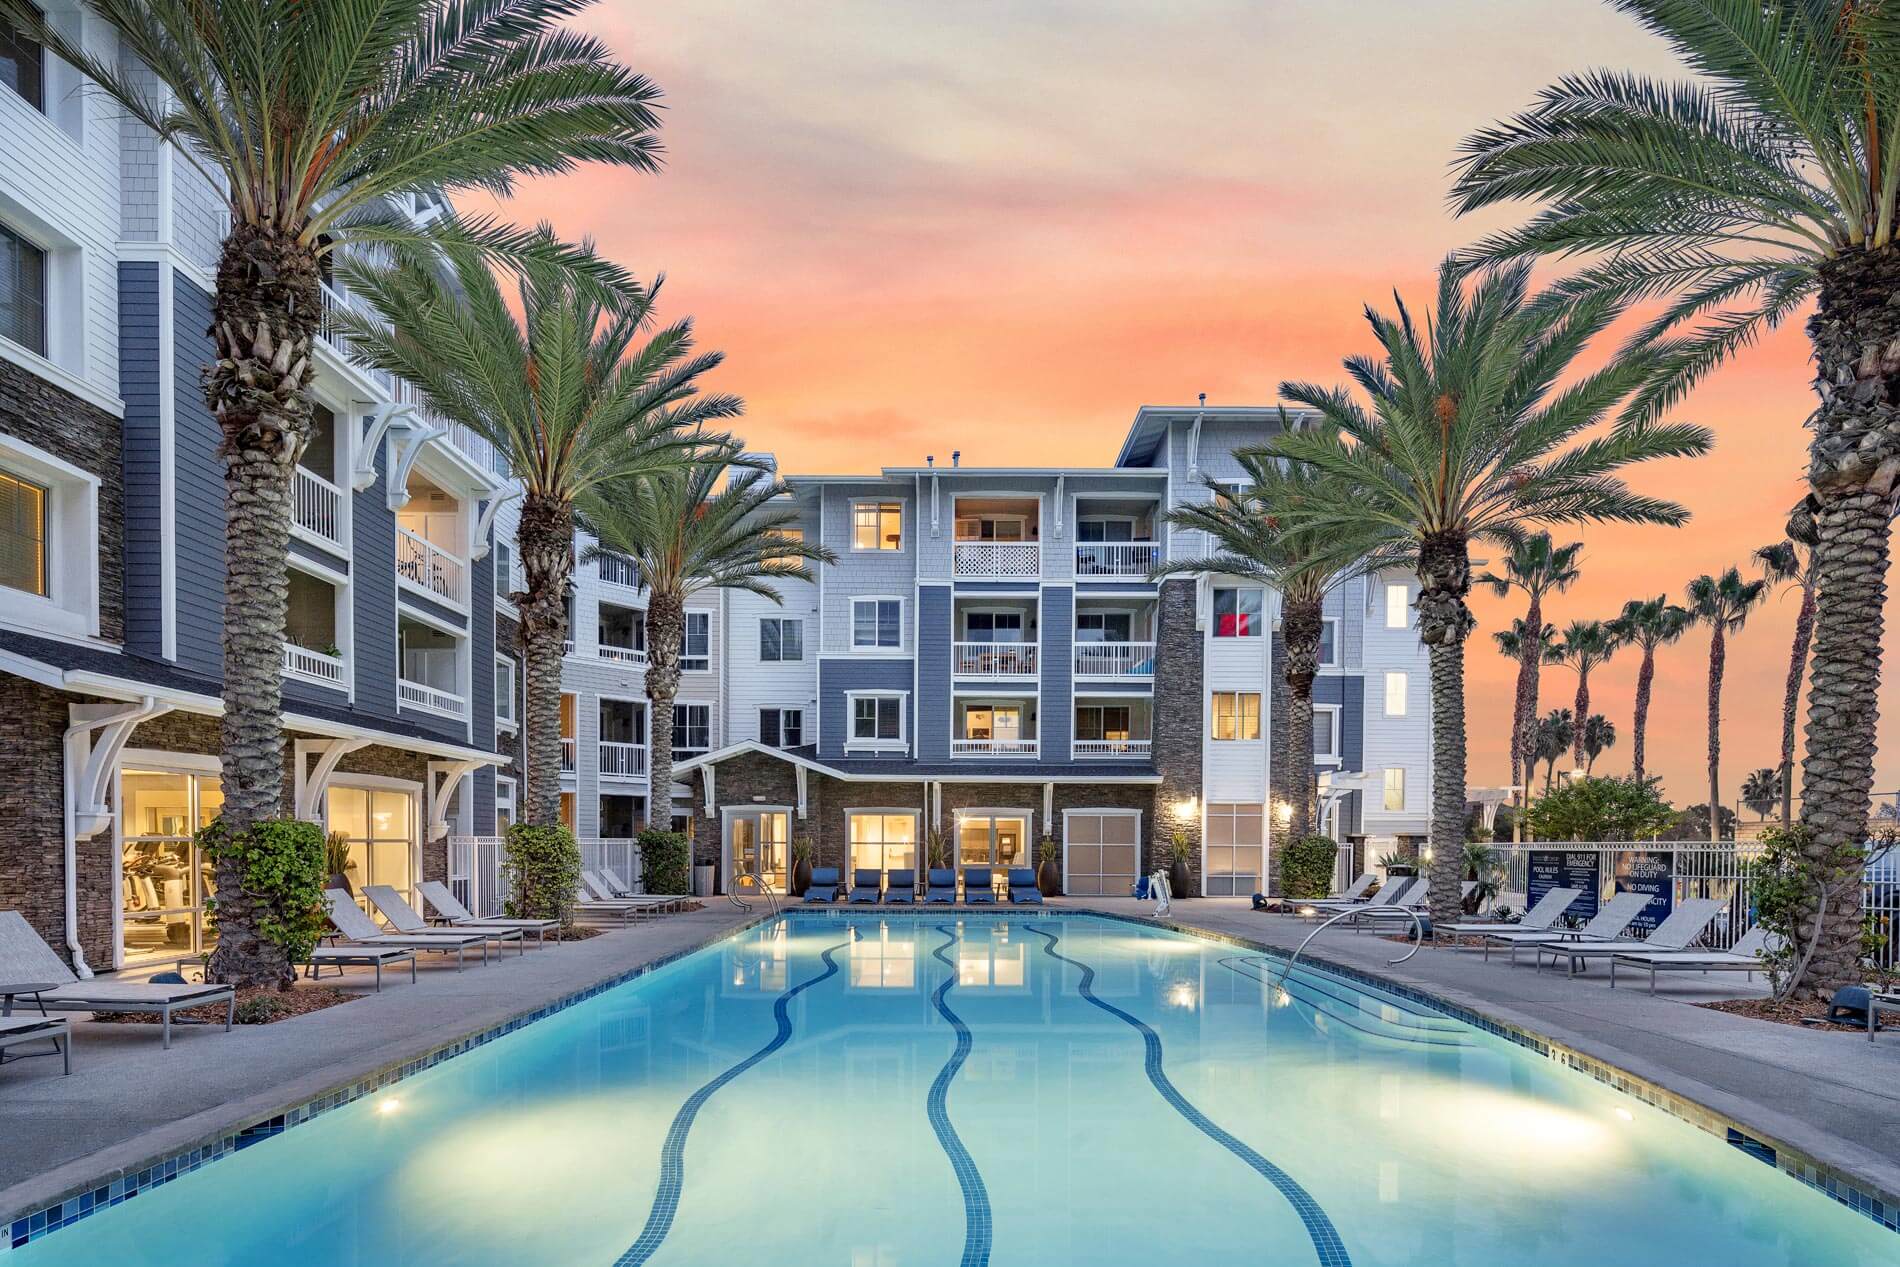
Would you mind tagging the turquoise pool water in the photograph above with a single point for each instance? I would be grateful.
(893, 1092)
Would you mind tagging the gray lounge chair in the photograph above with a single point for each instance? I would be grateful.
(902, 890)
(1744, 956)
(26, 960)
(348, 919)
(443, 902)
(979, 886)
(1608, 924)
(824, 885)
(1388, 895)
(1354, 892)
(618, 887)
(15, 1030)
(942, 886)
(1023, 890)
(375, 957)
(1401, 912)
(601, 890)
(1686, 923)
(1547, 910)
(404, 918)
(865, 884)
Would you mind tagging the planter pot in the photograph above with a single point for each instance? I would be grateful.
(801, 877)
(339, 882)
(1178, 878)
(703, 881)
(1049, 878)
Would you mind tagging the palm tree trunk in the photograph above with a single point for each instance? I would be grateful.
(264, 318)
(1444, 623)
(1583, 715)
(1302, 625)
(666, 627)
(1645, 676)
(1530, 663)
(546, 542)
(1791, 696)
(1718, 661)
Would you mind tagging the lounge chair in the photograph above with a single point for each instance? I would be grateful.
(444, 904)
(375, 957)
(978, 886)
(1542, 915)
(1684, 925)
(404, 918)
(15, 1030)
(1608, 924)
(26, 960)
(1354, 892)
(348, 918)
(824, 885)
(1744, 956)
(903, 887)
(596, 897)
(620, 888)
(1388, 895)
(1401, 912)
(1023, 890)
(865, 885)
(941, 886)
(606, 890)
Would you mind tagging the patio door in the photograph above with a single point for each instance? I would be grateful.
(757, 843)
(993, 840)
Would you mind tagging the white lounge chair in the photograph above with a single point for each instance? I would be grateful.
(404, 918)
(443, 902)
(1414, 903)
(597, 897)
(1544, 913)
(376, 957)
(618, 887)
(15, 1030)
(1608, 924)
(27, 961)
(1388, 895)
(1354, 892)
(1684, 925)
(348, 918)
(1744, 956)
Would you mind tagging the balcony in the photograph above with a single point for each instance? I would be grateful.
(1090, 749)
(997, 560)
(995, 659)
(622, 760)
(426, 567)
(313, 666)
(1115, 659)
(568, 747)
(430, 699)
(994, 747)
(635, 656)
(1116, 560)
(614, 569)
(317, 505)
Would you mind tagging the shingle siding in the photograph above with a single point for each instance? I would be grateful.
(933, 703)
(838, 675)
(1055, 712)
(198, 499)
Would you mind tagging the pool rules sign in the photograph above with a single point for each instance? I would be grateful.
(1579, 869)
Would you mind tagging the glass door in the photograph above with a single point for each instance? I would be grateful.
(999, 841)
(380, 826)
(759, 844)
(163, 878)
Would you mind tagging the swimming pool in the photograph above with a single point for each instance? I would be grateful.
(895, 1091)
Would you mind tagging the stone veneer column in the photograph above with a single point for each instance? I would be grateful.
(1179, 678)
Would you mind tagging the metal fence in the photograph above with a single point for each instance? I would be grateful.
(480, 883)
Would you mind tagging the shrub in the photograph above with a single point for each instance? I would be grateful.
(665, 861)
(543, 865)
(282, 864)
(1600, 809)
(1306, 866)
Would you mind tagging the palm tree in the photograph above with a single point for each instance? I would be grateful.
(317, 119)
(1768, 180)
(1538, 567)
(1723, 604)
(1553, 735)
(576, 397)
(712, 525)
(1462, 438)
(1587, 644)
(1596, 735)
(1790, 561)
(1761, 791)
(1649, 623)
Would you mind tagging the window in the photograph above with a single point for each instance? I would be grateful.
(1398, 604)
(692, 728)
(787, 560)
(782, 727)
(1104, 626)
(1329, 642)
(877, 525)
(22, 64)
(1103, 530)
(49, 542)
(999, 723)
(380, 826)
(1101, 721)
(696, 646)
(22, 535)
(877, 622)
(1395, 695)
(993, 528)
(22, 292)
(882, 840)
(992, 626)
(164, 877)
(504, 692)
(877, 721)
(1326, 732)
(504, 805)
(1236, 714)
(1236, 849)
(1395, 789)
(781, 639)
(1237, 612)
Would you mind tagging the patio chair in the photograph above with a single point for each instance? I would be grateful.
(824, 885)
(1023, 890)
(1413, 903)
(1608, 924)
(1354, 892)
(1388, 895)
(343, 957)
(30, 969)
(348, 919)
(865, 884)
(903, 887)
(443, 902)
(1542, 915)
(941, 885)
(1686, 923)
(620, 888)
(596, 897)
(15, 1030)
(1744, 956)
(978, 886)
(404, 918)
(606, 889)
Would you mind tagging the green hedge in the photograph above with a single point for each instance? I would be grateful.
(1306, 866)
(666, 862)
(282, 862)
(543, 865)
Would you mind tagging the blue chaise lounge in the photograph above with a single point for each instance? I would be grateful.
(903, 887)
(1022, 887)
(824, 885)
(943, 885)
(864, 884)
(978, 888)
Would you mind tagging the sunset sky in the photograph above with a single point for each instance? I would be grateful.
(917, 226)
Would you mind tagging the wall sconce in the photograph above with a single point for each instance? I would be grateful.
(1282, 813)
(1188, 809)
(1425, 855)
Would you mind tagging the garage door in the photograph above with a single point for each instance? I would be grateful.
(1101, 852)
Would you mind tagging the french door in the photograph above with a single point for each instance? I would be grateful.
(757, 843)
(1000, 841)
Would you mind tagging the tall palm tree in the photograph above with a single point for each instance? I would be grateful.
(1554, 733)
(1587, 644)
(1596, 735)
(1790, 561)
(316, 118)
(712, 525)
(1761, 790)
(1538, 567)
(1767, 181)
(1649, 623)
(1723, 603)
(575, 396)
(1461, 438)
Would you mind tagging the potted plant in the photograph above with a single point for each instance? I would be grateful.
(936, 849)
(1048, 870)
(337, 861)
(801, 866)
(1396, 865)
(1178, 877)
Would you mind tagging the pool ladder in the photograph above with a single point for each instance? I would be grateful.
(1418, 940)
(771, 898)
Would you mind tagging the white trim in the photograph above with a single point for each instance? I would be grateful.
(900, 744)
(711, 760)
(686, 628)
(851, 526)
(70, 606)
(1339, 631)
(513, 722)
(1336, 715)
(898, 650)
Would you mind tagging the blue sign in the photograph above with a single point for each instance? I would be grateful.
(1647, 873)
(1578, 869)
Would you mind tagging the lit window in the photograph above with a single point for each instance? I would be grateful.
(692, 728)
(796, 535)
(877, 526)
(1102, 723)
(1236, 715)
(877, 720)
(22, 292)
(1395, 789)
(22, 535)
(696, 648)
(1398, 605)
(23, 64)
(781, 639)
(877, 622)
(1395, 695)
(1237, 612)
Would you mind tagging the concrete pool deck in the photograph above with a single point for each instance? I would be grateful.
(128, 1103)
(1831, 1095)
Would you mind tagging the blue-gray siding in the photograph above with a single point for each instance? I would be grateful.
(1349, 692)
(138, 386)
(1055, 713)
(933, 672)
(839, 674)
(198, 499)
(373, 591)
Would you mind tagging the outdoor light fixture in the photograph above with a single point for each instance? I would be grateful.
(1282, 812)
(1187, 808)
(387, 1105)
(1425, 854)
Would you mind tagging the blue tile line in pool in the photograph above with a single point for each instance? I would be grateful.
(666, 1198)
(976, 1198)
(1325, 1237)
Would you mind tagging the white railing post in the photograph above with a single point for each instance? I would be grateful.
(1115, 659)
(429, 568)
(1120, 559)
(316, 505)
(995, 659)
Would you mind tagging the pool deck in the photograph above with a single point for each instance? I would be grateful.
(128, 1103)
(1831, 1095)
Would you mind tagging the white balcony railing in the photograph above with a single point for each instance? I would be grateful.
(429, 699)
(568, 747)
(1085, 748)
(998, 558)
(995, 659)
(621, 655)
(317, 505)
(622, 760)
(567, 646)
(1115, 659)
(429, 568)
(1116, 559)
(993, 747)
(615, 569)
(312, 666)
